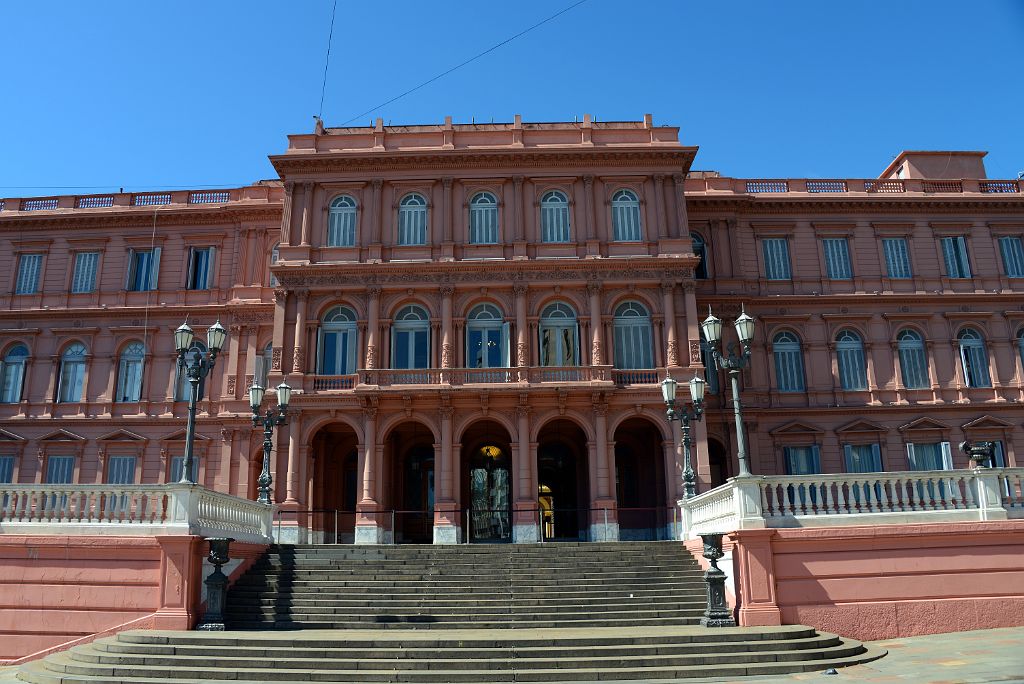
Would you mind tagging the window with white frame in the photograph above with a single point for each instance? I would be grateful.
(129, 372)
(483, 219)
(12, 378)
(852, 366)
(29, 267)
(341, 222)
(143, 270)
(200, 268)
(339, 342)
(802, 460)
(60, 469)
(789, 362)
(1012, 250)
(83, 278)
(275, 255)
(862, 458)
(177, 462)
(559, 336)
(7, 469)
(626, 217)
(554, 217)
(929, 456)
(121, 470)
(837, 259)
(633, 347)
(897, 258)
(412, 220)
(410, 338)
(974, 358)
(700, 248)
(954, 253)
(263, 363)
(776, 258)
(183, 387)
(913, 359)
(72, 373)
(487, 338)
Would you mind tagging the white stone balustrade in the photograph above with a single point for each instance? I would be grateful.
(827, 500)
(131, 510)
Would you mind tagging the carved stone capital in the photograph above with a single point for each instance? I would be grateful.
(594, 288)
(520, 289)
(280, 295)
(588, 181)
(447, 290)
(377, 183)
(373, 291)
(447, 182)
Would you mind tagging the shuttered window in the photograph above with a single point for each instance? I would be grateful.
(776, 258)
(974, 358)
(7, 469)
(626, 217)
(852, 366)
(72, 374)
(802, 460)
(862, 458)
(954, 252)
(29, 266)
(483, 219)
(129, 373)
(60, 469)
(200, 268)
(84, 277)
(554, 217)
(121, 470)
(13, 374)
(633, 347)
(789, 363)
(341, 225)
(897, 258)
(1012, 251)
(913, 359)
(412, 220)
(837, 259)
(143, 270)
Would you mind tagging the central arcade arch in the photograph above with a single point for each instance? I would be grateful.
(486, 477)
(335, 483)
(409, 464)
(563, 480)
(640, 490)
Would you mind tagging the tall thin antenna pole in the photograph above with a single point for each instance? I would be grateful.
(327, 62)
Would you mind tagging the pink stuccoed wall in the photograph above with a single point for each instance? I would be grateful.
(56, 591)
(885, 581)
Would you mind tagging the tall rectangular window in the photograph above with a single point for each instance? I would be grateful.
(862, 458)
(200, 268)
(121, 470)
(6, 469)
(1012, 251)
(176, 464)
(143, 270)
(60, 469)
(29, 266)
(954, 252)
(803, 460)
(837, 259)
(776, 258)
(84, 277)
(929, 456)
(897, 257)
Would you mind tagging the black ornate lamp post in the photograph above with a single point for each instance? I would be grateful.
(200, 367)
(268, 420)
(717, 613)
(684, 415)
(216, 586)
(734, 363)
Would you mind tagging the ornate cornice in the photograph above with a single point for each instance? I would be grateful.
(140, 217)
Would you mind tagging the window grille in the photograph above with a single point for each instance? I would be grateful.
(208, 197)
(38, 204)
(148, 200)
(767, 186)
(95, 201)
(826, 186)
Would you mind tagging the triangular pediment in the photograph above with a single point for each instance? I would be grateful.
(987, 423)
(924, 424)
(62, 435)
(179, 436)
(7, 436)
(861, 425)
(121, 436)
(796, 428)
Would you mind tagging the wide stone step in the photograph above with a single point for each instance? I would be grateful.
(456, 604)
(547, 594)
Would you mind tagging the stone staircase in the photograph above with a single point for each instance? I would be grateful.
(474, 614)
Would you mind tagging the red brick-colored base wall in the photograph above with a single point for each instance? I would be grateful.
(886, 581)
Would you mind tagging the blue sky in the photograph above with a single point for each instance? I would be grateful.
(146, 94)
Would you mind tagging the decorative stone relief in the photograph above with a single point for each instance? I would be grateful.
(275, 361)
(595, 353)
(298, 360)
(694, 352)
(673, 353)
(521, 354)
(446, 355)
(371, 356)
(231, 385)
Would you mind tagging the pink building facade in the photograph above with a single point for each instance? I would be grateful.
(475, 320)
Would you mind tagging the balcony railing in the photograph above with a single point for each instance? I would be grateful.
(857, 499)
(637, 377)
(886, 186)
(387, 377)
(131, 510)
(322, 383)
(94, 201)
(943, 186)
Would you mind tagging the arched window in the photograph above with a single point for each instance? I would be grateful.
(13, 376)
(275, 254)
(183, 386)
(554, 217)
(129, 372)
(483, 219)
(338, 342)
(700, 248)
(341, 226)
(559, 336)
(263, 364)
(852, 366)
(632, 327)
(974, 358)
(412, 220)
(913, 359)
(626, 217)
(72, 373)
(789, 362)
(487, 338)
(410, 338)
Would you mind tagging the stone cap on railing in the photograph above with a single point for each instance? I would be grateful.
(825, 500)
(132, 510)
(718, 185)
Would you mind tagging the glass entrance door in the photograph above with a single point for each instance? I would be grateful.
(489, 517)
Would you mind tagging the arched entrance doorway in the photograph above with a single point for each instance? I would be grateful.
(335, 452)
(410, 454)
(487, 482)
(563, 481)
(640, 481)
(718, 462)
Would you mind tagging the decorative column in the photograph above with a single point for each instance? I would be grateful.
(596, 351)
(604, 526)
(692, 322)
(367, 525)
(280, 307)
(681, 224)
(447, 357)
(446, 530)
(659, 205)
(372, 326)
(286, 220)
(671, 344)
(294, 436)
(446, 218)
(377, 216)
(518, 230)
(307, 202)
(588, 207)
(522, 357)
(298, 352)
(525, 528)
